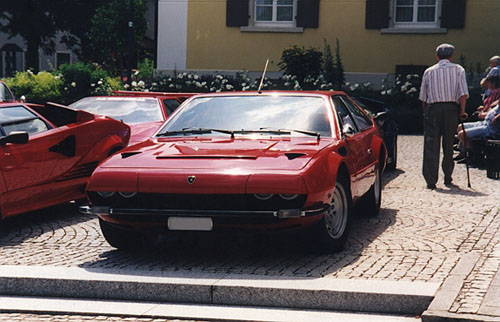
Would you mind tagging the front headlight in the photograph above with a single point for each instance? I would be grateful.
(105, 194)
(127, 194)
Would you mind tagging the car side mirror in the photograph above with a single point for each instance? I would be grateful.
(15, 137)
(348, 130)
(380, 115)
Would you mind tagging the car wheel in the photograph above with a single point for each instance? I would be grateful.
(393, 155)
(333, 229)
(124, 239)
(373, 198)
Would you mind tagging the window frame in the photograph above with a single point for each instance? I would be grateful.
(415, 24)
(274, 22)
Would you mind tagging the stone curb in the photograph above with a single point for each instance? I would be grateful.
(410, 298)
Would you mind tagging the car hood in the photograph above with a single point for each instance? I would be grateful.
(142, 131)
(290, 153)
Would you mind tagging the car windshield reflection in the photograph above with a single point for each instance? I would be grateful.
(261, 114)
(130, 110)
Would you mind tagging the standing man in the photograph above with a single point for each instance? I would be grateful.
(443, 94)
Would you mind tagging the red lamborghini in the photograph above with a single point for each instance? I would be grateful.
(244, 161)
(47, 153)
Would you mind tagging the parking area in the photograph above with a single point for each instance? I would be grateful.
(420, 235)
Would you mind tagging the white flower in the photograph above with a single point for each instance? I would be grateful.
(154, 84)
(219, 77)
(141, 84)
(134, 84)
(229, 87)
(171, 85)
(196, 77)
(404, 88)
(73, 84)
(389, 92)
(99, 82)
(411, 90)
(92, 85)
(383, 92)
(136, 73)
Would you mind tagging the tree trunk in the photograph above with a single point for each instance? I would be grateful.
(32, 56)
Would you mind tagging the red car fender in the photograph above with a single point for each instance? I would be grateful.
(321, 175)
(378, 146)
(104, 148)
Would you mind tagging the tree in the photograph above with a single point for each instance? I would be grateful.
(34, 20)
(301, 62)
(339, 68)
(108, 34)
(38, 21)
(329, 70)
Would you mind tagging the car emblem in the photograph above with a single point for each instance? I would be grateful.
(191, 179)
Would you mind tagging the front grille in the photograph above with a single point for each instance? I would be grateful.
(82, 171)
(198, 202)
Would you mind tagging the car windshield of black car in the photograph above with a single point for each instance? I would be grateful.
(253, 114)
(130, 110)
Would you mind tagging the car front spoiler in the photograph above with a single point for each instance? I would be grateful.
(281, 214)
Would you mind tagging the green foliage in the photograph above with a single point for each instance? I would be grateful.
(339, 68)
(37, 88)
(329, 70)
(301, 62)
(81, 79)
(145, 69)
(108, 33)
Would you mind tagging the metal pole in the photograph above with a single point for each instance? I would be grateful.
(130, 40)
(466, 153)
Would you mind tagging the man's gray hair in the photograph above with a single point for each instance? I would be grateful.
(444, 51)
(495, 59)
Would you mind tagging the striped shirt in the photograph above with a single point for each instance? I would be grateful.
(443, 82)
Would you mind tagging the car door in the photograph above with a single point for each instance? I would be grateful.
(356, 150)
(29, 165)
(366, 129)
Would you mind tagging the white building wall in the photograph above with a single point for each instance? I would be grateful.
(172, 34)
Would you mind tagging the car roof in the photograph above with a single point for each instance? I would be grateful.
(152, 94)
(272, 93)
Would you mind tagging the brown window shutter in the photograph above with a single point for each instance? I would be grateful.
(236, 13)
(453, 14)
(377, 14)
(308, 13)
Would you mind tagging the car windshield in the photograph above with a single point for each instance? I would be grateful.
(130, 110)
(287, 114)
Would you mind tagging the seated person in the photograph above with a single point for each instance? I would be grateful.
(493, 84)
(487, 128)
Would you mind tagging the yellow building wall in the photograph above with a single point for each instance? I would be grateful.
(213, 46)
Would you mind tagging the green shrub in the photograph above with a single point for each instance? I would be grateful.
(301, 62)
(36, 88)
(80, 80)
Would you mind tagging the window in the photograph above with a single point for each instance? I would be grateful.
(62, 58)
(281, 12)
(17, 118)
(272, 15)
(361, 120)
(416, 13)
(171, 105)
(343, 114)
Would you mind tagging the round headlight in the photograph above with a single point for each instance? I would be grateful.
(127, 194)
(288, 196)
(105, 194)
(263, 196)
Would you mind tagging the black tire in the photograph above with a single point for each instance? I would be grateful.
(125, 239)
(332, 231)
(371, 202)
(393, 155)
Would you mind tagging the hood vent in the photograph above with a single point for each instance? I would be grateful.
(292, 156)
(129, 154)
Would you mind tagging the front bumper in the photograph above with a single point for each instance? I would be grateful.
(137, 214)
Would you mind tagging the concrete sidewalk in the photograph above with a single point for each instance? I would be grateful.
(401, 298)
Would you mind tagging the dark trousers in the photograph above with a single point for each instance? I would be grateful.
(440, 121)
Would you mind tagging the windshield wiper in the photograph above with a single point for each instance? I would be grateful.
(287, 131)
(195, 130)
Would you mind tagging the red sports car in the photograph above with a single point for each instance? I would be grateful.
(47, 153)
(145, 112)
(251, 161)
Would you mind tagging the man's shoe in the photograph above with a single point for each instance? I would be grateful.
(447, 182)
(431, 186)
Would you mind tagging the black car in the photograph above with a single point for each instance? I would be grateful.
(382, 115)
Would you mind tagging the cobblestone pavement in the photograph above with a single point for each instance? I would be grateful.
(13, 317)
(420, 235)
